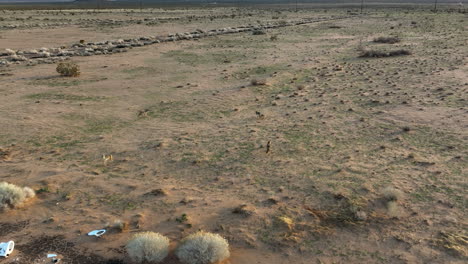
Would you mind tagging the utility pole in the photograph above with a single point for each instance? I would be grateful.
(141, 5)
(435, 5)
(362, 5)
(296, 6)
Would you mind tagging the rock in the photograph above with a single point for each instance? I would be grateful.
(44, 54)
(9, 52)
(17, 58)
(34, 52)
(361, 215)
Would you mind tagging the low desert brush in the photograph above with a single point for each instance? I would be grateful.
(118, 225)
(68, 69)
(148, 247)
(203, 248)
(12, 196)
(388, 40)
(258, 82)
(259, 32)
(393, 209)
(392, 194)
(383, 54)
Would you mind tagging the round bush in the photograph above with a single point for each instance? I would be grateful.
(203, 248)
(68, 69)
(148, 247)
(14, 196)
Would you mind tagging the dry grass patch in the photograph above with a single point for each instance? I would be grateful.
(119, 226)
(456, 244)
(392, 194)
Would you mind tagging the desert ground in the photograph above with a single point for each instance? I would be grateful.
(284, 140)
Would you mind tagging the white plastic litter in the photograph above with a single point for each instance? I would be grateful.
(6, 248)
(97, 233)
(54, 258)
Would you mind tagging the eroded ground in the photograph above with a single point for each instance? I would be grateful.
(189, 135)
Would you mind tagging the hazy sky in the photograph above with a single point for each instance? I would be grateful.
(389, 1)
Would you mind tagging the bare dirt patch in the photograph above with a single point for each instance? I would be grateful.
(174, 138)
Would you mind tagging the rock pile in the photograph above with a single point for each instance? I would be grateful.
(52, 55)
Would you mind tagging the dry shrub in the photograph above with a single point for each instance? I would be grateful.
(203, 248)
(148, 247)
(383, 54)
(392, 194)
(12, 196)
(393, 209)
(388, 40)
(258, 82)
(68, 69)
(344, 212)
(454, 243)
(258, 32)
(285, 222)
(119, 226)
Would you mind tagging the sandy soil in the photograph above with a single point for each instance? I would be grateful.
(188, 133)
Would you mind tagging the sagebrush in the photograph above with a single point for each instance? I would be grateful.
(68, 69)
(383, 54)
(203, 248)
(392, 194)
(12, 196)
(388, 40)
(148, 247)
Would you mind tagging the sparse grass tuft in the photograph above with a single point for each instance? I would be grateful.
(286, 221)
(392, 194)
(12, 196)
(393, 209)
(148, 247)
(203, 248)
(119, 226)
(68, 69)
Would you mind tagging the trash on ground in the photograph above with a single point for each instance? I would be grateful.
(54, 258)
(6, 248)
(97, 233)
